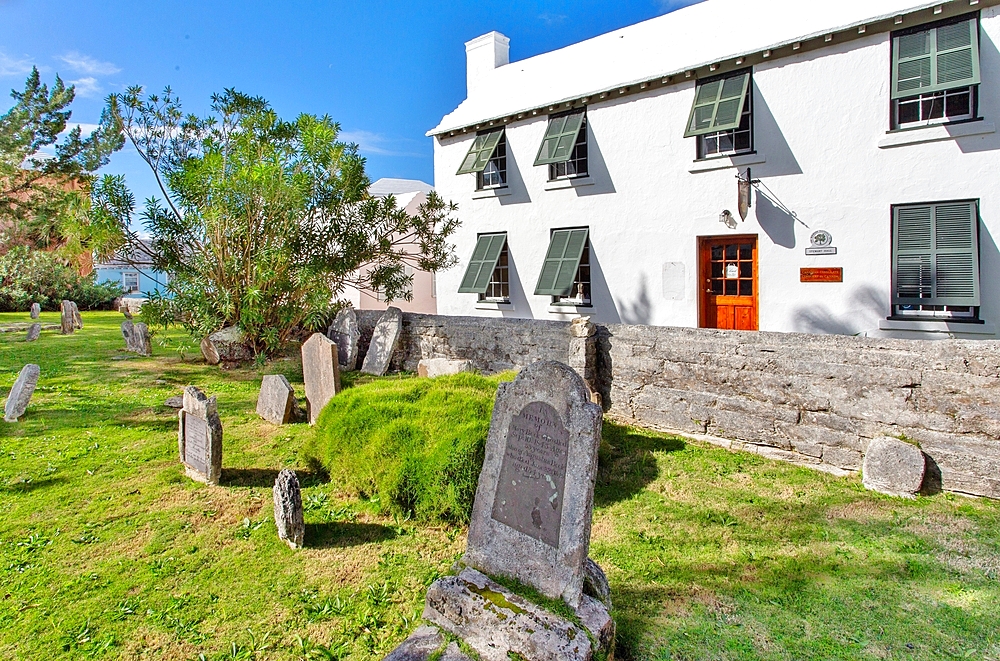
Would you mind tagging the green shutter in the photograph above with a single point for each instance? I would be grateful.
(937, 59)
(560, 136)
(561, 262)
(936, 255)
(480, 152)
(718, 105)
(484, 261)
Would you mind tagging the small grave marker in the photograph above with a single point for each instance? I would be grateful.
(66, 325)
(385, 337)
(34, 330)
(276, 400)
(21, 392)
(137, 338)
(288, 515)
(199, 437)
(36, 310)
(321, 373)
(345, 334)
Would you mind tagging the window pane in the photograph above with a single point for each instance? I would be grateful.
(746, 251)
(746, 269)
(717, 286)
(725, 141)
(958, 104)
(716, 269)
(731, 252)
(716, 252)
(746, 287)
(909, 111)
(731, 287)
(933, 107)
(742, 141)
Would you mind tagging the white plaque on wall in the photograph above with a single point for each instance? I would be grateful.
(673, 281)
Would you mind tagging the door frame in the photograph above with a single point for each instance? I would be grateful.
(704, 267)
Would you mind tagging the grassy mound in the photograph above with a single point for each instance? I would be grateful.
(414, 445)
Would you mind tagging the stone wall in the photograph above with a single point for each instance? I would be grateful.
(815, 399)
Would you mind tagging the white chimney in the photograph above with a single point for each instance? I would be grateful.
(484, 54)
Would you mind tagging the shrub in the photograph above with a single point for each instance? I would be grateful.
(414, 445)
(28, 276)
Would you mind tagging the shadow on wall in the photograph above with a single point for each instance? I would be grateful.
(989, 99)
(770, 141)
(989, 274)
(597, 169)
(518, 192)
(866, 305)
(640, 311)
(518, 298)
(777, 223)
(605, 311)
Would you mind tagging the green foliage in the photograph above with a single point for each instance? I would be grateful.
(36, 276)
(414, 445)
(263, 222)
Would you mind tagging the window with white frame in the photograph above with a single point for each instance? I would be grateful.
(564, 147)
(487, 159)
(488, 273)
(722, 115)
(565, 275)
(130, 281)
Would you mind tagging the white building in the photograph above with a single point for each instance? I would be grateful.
(593, 179)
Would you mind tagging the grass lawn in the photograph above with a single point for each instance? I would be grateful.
(107, 551)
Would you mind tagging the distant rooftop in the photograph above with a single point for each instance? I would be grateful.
(386, 186)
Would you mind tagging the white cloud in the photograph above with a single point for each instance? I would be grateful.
(10, 66)
(372, 143)
(551, 19)
(87, 87)
(85, 128)
(88, 65)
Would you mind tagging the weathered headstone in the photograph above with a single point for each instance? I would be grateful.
(36, 310)
(893, 467)
(34, 330)
(384, 340)
(276, 401)
(582, 353)
(199, 437)
(66, 325)
(20, 393)
(77, 319)
(137, 338)
(431, 367)
(344, 332)
(175, 402)
(288, 516)
(226, 346)
(321, 373)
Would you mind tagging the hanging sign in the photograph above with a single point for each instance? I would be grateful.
(831, 274)
(743, 197)
(822, 244)
(732, 271)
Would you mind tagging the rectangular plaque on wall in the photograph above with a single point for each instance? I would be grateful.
(195, 443)
(829, 274)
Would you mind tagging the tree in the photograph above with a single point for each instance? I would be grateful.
(43, 181)
(263, 222)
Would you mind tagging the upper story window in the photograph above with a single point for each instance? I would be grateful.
(564, 147)
(488, 272)
(935, 73)
(565, 274)
(935, 260)
(487, 159)
(130, 282)
(722, 115)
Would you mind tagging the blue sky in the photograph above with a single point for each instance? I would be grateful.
(386, 70)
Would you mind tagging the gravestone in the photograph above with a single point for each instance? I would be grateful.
(385, 337)
(288, 516)
(20, 393)
(344, 332)
(227, 346)
(77, 319)
(66, 325)
(199, 437)
(893, 467)
(321, 373)
(531, 523)
(276, 401)
(34, 330)
(36, 310)
(137, 338)
(432, 367)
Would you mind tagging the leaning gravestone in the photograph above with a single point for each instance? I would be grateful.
(21, 392)
(344, 332)
(66, 325)
(531, 523)
(77, 319)
(199, 437)
(34, 330)
(893, 467)
(276, 401)
(321, 373)
(137, 338)
(36, 310)
(288, 516)
(384, 340)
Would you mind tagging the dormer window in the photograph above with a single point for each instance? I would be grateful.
(722, 115)
(487, 159)
(564, 147)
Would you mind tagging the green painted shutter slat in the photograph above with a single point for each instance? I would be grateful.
(483, 262)
(718, 105)
(480, 152)
(560, 136)
(936, 255)
(937, 59)
(562, 261)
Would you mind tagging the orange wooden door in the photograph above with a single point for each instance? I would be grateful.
(728, 282)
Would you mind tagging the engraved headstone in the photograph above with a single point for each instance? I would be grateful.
(66, 325)
(384, 340)
(276, 400)
(34, 330)
(20, 393)
(321, 373)
(344, 332)
(36, 310)
(288, 516)
(137, 338)
(199, 437)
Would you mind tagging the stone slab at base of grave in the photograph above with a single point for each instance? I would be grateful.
(432, 367)
(893, 467)
(344, 332)
(175, 402)
(321, 373)
(34, 331)
(21, 392)
(66, 325)
(385, 337)
(288, 515)
(36, 310)
(199, 437)
(276, 401)
(137, 338)
(226, 346)
(424, 643)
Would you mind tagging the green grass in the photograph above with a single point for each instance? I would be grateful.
(107, 551)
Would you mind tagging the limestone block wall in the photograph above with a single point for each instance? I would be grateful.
(810, 398)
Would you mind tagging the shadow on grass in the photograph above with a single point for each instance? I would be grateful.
(345, 534)
(626, 463)
(265, 477)
(28, 487)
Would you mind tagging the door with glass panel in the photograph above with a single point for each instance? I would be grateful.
(728, 282)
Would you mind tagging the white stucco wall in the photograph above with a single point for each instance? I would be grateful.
(818, 120)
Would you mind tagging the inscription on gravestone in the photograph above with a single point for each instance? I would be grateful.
(529, 495)
(195, 443)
